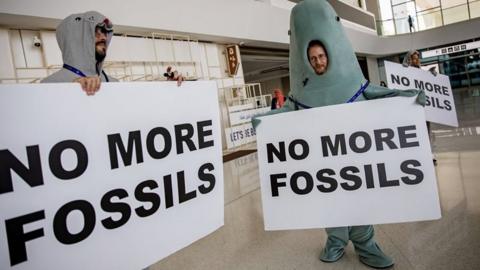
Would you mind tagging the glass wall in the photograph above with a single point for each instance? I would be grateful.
(463, 68)
(404, 16)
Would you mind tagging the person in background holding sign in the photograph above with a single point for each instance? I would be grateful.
(412, 59)
(84, 39)
(324, 71)
(278, 99)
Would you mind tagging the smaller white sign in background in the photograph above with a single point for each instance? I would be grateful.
(242, 117)
(440, 106)
(240, 135)
(386, 182)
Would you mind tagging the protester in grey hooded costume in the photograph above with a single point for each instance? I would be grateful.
(76, 37)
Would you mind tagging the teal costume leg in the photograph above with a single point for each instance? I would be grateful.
(336, 242)
(367, 249)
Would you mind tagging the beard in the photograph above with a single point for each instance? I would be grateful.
(100, 56)
(100, 53)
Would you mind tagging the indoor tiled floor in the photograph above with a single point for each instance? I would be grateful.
(453, 242)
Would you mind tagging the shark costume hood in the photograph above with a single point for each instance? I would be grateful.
(76, 39)
(316, 20)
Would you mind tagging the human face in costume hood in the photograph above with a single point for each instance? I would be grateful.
(83, 39)
(341, 77)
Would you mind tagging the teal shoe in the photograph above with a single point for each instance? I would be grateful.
(378, 260)
(330, 256)
(367, 249)
(336, 242)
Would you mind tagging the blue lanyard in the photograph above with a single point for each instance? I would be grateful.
(352, 99)
(359, 92)
(74, 70)
(80, 73)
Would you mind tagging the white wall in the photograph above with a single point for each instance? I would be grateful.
(373, 71)
(254, 22)
(242, 19)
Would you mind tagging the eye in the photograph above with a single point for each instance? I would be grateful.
(289, 32)
(338, 19)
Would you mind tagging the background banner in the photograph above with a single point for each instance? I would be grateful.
(351, 164)
(118, 180)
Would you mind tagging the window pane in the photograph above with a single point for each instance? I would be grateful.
(455, 69)
(401, 25)
(403, 10)
(396, 2)
(455, 14)
(387, 28)
(430, 19)
(385, 10)
(475, 9)
(427, 4)
(452, 3)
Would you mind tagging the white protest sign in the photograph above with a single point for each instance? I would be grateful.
(239, 135)
(440, 106)
(118, 180)
(351, 164)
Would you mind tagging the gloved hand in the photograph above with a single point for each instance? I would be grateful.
(421, 98)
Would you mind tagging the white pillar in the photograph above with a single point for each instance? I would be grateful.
(364, 4)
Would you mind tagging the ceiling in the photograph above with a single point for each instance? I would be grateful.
(261, 64)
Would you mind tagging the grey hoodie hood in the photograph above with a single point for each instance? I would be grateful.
(407, 60)
(76, 39)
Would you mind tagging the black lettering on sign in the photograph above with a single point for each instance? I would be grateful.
(60, 227)
(399, 81)
(348, 173)
(275, 184)
(32, 174)
(207, 177)
(167, 143)
(353, 142)
(186, 138)
(17, 238)
(382, 176)
(183, 195)
(406, 167)
(403, 136)
(279, 152)
(203, 132)
(134, 141)
(303, 146)
(327, 180)
(150, 197)
(308, 183)
(55, 159)
(167, 185)
(384, 136)
(339, 144)
(115, 207)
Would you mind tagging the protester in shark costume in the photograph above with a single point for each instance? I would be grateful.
(83, 39)
(342, 82)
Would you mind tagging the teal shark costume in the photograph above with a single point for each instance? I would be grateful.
(342, 82)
